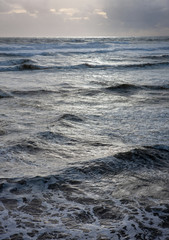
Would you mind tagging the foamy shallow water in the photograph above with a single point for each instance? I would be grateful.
(84, 138)
(120, 197)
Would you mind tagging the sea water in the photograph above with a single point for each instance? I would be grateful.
(84, 138)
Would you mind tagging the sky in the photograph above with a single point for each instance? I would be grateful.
(54, 18)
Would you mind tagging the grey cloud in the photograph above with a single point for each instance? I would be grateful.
(4, 6)
(123, 17)
(30, 6)
(137, 15)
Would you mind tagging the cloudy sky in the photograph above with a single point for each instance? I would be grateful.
(52, 18)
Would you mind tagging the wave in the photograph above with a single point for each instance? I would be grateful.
(84, 50)
(61, 40)
(20, 65)
(123, 87)
(27, 66)
(126, 87)
(70, 117)
(157, 57)
(56, 137)
(32, 92)
(24, 67)
(4, 94)
(121, 196)
(156, 156)
(17, 54)
(24, 147)
(109, 66)
(145, 65)
(119, 88)
(21, 93)
(29, 146)
(145, 157)
(150, 157)
(30, 65)
(95, 66)
(16, 62)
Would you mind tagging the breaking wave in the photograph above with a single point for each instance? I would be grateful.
(109, 198)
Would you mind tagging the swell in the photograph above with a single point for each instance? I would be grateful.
(20, 65)
(30, 65)
(119, 88)
(125, 87)
(32, 92)
(25, 93)
(145, 65)
(122, 88)
(24, 146)
(56, 137)
(5, 94)
(148, 157)
(157, 57)
(70, 117)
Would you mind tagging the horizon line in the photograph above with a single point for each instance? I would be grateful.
(111, 36)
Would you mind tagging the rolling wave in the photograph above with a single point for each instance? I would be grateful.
(27, 146)
(157, 57)
(4, 94)
(83, 51)
(26, 66)
(70, 117)
(23, 93)
(119, 88)
(126, 87)
(146, 157)
(32, 92)
(56, 137)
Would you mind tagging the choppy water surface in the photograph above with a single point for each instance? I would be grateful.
(84, 138)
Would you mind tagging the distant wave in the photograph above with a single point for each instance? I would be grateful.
(17, 61)
(4, 94)
(119, 88)
(21, 93)
(26, 66)
(125, 87)
(80, 51)
(145, 65)
(61, 40)
(157, 57)
(70, 117)
(17, 54)
(23, 67)
(32, 92)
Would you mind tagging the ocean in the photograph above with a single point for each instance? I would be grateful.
(84, 138)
